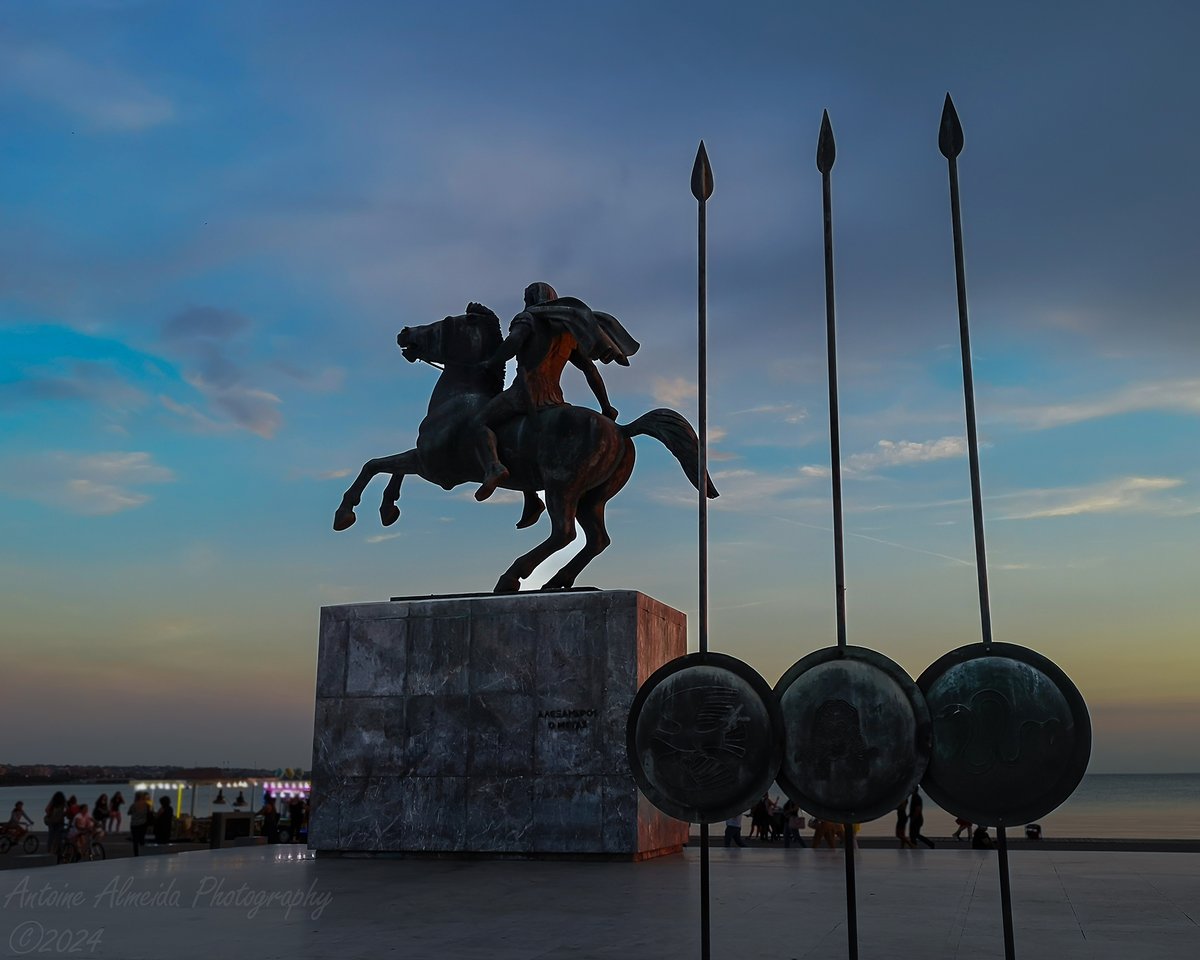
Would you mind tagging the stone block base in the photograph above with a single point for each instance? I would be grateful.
(487, 725)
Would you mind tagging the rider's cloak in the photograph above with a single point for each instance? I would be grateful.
(600, 335)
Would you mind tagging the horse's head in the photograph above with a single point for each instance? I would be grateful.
(466, 339)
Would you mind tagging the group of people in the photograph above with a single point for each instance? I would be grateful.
(771, 821)
(69, 822)
(298, 812)
(73, 824)
(912, 813)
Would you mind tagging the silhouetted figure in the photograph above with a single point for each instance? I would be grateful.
(296, 816)
(270, 817)
(114, 812)
(56, 821)
(793, 823)
(962, 825)
(902, 825)
(760, 819)
(916, 820)
(1033, 831)
(164, 820)
(141, 818)
(733, 831)
(17, 821)
(980, 839)
(100, 810)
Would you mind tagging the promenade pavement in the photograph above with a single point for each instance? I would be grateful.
(282, 902)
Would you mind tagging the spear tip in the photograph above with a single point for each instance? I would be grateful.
(950, 136)
(826, 148)
(702, 176)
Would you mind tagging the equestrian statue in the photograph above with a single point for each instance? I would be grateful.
(526, 438)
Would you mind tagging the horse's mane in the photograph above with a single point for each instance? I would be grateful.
(493, 337)
(479, 310)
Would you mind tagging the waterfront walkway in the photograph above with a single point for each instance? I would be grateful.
(280, 902)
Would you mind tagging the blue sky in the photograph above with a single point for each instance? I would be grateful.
(214, 218)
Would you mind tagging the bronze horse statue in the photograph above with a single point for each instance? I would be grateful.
(579, 457)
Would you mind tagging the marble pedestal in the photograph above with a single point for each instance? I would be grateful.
(487, 725)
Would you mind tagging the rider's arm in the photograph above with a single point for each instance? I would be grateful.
(518, 334)
(596, 382)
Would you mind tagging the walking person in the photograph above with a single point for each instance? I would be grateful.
(793, 823)
(140, 818)
(733, 831)
(114, 812)
(902, 826)
(55, 821)
(916, 820)
(962, 825)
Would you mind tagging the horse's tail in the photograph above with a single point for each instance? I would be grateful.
(676, 434)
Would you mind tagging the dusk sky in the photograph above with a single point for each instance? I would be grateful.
(214, 219)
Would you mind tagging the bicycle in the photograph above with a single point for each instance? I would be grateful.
(28, 841)
(69, 852)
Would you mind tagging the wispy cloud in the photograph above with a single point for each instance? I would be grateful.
(90, 484)
(86, 381)
(381, 537)
(887, 543)
(1168, 396)
(743, 489)
(787, 412)
(1123, 495)
(206, 339)
(895, 453)
(674, 391)
(103, 96)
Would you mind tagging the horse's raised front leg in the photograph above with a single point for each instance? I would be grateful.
(399, 463)
(562, 531)
(389, 513)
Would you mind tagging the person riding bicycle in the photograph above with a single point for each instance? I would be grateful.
(15, 827)
(83, 826)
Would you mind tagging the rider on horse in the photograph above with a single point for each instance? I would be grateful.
(550, 331)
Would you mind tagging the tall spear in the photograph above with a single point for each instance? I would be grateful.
(826, 154)
(950, 142)
(702, 188)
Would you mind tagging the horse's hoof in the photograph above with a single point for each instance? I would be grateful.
(530, 517)
(507, 584)
(344, 520)
(389, 514)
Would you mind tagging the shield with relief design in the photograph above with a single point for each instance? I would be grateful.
(703, 737)
(856, 734)
(1011, 734)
